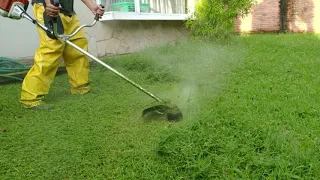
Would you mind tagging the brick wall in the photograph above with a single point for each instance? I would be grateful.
(264, 16)
(301, 16)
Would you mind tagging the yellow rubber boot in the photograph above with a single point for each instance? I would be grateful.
(37, 82)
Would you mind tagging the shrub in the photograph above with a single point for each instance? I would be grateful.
(215, 19)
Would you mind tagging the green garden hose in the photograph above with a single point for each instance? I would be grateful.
(9, 69)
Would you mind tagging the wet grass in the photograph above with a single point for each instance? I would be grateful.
(251, 111)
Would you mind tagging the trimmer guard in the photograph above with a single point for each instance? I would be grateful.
(170, 112)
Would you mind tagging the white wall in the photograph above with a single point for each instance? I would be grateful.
(18, 38)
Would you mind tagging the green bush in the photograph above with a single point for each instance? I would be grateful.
(215, 19)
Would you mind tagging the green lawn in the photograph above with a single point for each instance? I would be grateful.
(251, 111)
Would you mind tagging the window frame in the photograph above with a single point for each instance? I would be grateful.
(137, 15)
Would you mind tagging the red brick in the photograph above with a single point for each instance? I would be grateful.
(300, 14)
(265, 17)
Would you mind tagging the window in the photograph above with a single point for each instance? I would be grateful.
(147, 9)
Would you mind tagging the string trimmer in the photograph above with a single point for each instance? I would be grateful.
(16, 9)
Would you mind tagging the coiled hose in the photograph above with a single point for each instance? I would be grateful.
(10, 69)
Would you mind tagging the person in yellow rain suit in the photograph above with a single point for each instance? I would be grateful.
(37, 82)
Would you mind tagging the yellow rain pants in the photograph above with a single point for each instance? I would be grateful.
(37, 82)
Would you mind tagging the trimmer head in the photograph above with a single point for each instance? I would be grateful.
(170, 112)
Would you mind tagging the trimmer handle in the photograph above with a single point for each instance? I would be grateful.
(55, 3)
(97, 15)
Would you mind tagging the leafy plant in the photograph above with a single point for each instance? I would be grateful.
(215, 19)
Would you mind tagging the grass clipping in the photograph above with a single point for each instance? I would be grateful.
(262, 125)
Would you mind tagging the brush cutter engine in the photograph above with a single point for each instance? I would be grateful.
(13, 8)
